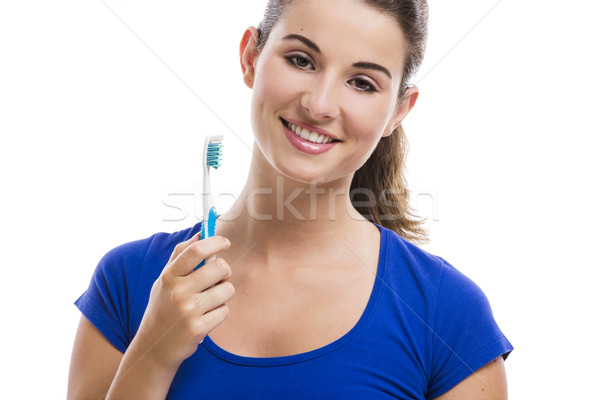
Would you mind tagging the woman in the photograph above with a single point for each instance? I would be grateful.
(327, 304)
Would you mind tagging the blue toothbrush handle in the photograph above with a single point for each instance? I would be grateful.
(210, 224)
(209, 229)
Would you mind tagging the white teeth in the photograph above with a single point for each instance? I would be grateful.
(308, 135)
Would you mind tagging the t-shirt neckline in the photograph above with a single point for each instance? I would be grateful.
(296, 358)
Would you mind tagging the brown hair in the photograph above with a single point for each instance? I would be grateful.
(378, 190)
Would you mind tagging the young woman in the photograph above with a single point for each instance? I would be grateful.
(332, 300)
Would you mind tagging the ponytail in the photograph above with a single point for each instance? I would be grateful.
(378, 190)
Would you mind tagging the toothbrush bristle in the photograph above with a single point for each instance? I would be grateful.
(213, 154)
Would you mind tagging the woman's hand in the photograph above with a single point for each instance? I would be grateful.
(185, 305)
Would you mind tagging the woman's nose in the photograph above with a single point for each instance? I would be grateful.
(320, 100)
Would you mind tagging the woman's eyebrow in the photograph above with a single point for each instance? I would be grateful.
(309, 43)
(368, 65)
(313, 46)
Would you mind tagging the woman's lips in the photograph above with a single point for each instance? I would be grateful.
(303, 145)
(310, 128)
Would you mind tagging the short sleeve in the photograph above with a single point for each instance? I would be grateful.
(465, 334)
(107, 301)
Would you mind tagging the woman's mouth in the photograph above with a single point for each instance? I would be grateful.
(306, 140)
(310, 136)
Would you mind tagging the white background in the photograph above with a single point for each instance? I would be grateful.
(103, 111)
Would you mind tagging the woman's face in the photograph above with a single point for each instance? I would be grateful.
(333, 69)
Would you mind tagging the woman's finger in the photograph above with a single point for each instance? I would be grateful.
(211, 273)
(197, 251)
(183, 245)
(213, 297)
(211, 320)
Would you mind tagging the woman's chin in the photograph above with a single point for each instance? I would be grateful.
(303, 177)
(311, 176)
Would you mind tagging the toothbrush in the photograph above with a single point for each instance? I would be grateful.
(211, 159)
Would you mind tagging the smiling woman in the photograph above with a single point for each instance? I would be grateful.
(386, 198)
(325, 298)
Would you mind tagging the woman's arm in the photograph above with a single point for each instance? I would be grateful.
(185, 304)
(487, 383)
(94, 363)
(97, 367)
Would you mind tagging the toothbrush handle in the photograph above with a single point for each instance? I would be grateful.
(208, 226)
(208, 231)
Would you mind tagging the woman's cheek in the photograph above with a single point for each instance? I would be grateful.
(275, 81)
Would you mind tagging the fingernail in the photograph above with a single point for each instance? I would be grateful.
(227, 242)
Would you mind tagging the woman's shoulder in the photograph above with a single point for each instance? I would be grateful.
(150, 253)
(402, 256)
(118, 291)
(431, 272)
(400, 245)
(449, 307)
(156, 243)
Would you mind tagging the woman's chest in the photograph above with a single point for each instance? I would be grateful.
(272, 317)
(373, 361)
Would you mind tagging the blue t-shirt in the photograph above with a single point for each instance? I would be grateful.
(426, 327)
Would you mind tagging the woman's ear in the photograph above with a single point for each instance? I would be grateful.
(248, 55)
(402, 109)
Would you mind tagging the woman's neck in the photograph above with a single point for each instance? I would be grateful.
(278, 217)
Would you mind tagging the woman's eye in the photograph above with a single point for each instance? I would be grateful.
(299, 61)
(363, 85)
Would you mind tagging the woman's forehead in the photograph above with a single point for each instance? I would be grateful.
(344, 26)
